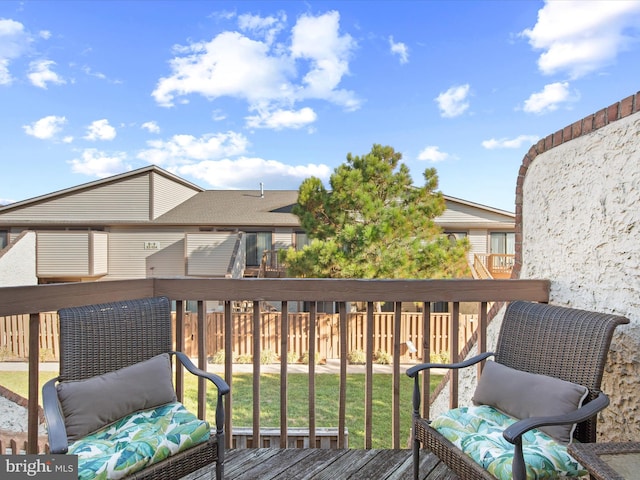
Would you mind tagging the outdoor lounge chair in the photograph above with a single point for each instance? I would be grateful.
(114, 404)
(545, 357)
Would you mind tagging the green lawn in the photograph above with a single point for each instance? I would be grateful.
(327, 386)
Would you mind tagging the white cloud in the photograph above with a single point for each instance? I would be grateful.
(45, 128)
(265, 27)
(280, 119)
(549, 98)
(517, 142)
(151, 127)
(100, 130)
(399, 49)
(40, 73)
(187, 149)
(14, 42)
(267, 76)
(582, 36)
(99, 164)
(453, 102)
(247, 173)
(433, 154)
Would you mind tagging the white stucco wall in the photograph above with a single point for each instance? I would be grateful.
(581, 230)
(18, 262)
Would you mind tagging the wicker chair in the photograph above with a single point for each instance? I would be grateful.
(98, 339)
(555, 341)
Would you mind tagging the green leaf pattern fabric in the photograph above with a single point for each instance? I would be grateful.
(137, 441)
(477, 431)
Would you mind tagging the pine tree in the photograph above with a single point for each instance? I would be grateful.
(374, 223)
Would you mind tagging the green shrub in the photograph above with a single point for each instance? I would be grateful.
(217, 358)
(442, 357)
(356, 357)
(305, 358)
(244, 359)
(267, 356)
(292, 357)
(383, 358)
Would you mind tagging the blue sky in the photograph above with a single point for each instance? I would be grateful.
(231, 94)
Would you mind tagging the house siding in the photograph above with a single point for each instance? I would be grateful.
(458, 214)
(100, 251)
(208, 254)
(167, 194)
(63, 254)
(131, 257)
(126, 200)
(282, 238)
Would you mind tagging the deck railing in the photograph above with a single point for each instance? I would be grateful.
(33, 300)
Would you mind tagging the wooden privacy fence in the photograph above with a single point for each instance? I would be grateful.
(14, 341)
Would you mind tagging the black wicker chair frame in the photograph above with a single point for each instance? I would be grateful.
(556, 341)
(97, 339)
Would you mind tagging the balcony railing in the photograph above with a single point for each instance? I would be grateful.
(33, 300)
(494, 265)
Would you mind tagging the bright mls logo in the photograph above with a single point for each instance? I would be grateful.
(51, 467)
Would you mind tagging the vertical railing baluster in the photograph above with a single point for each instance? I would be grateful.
(368, 399)
(426, 357)
(342, 312)
(481, 334)
(180, 348)
(395, 402)
(34, 379)
(256, 374)
(228, 371)
(313, 321)
(202, 359)
(284, 377)
(454, 354)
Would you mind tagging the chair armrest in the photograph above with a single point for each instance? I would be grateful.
(413, 371)
(516, 430)
(56, 428)
(513, 433)
(223, 387)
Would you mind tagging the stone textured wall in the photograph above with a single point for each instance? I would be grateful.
(578, 225)
(18, 262)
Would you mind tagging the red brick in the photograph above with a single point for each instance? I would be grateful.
(612, 112)
(636, 107)
(566, 133)
(600, 119)
(587, 124)
(626, 106)
(548, 142)
(576, 129)
(557, 138)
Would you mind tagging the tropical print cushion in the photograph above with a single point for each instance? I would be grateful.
(137, 441)
(477, 431)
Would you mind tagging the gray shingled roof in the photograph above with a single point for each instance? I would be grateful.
(235, 208)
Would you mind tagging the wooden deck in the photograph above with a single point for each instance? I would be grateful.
(328, 464)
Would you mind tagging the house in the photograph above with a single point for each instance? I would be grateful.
(152, 223)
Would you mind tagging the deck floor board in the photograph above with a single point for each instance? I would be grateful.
(321, 464)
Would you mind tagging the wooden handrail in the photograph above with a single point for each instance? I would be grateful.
(33, 300)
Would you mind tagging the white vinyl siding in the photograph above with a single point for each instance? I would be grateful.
(209, 254)
(478, 241)
(133, 254)
(126, 200)
(469, 216)
(100, 253)
(168, 194)
(282, 239)
(63, 254)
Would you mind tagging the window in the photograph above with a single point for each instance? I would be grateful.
(4, 239)
(302, 239)
(257, 243)
(503, 242)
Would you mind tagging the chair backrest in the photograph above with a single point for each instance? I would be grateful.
(96, 339)
(560, 342)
